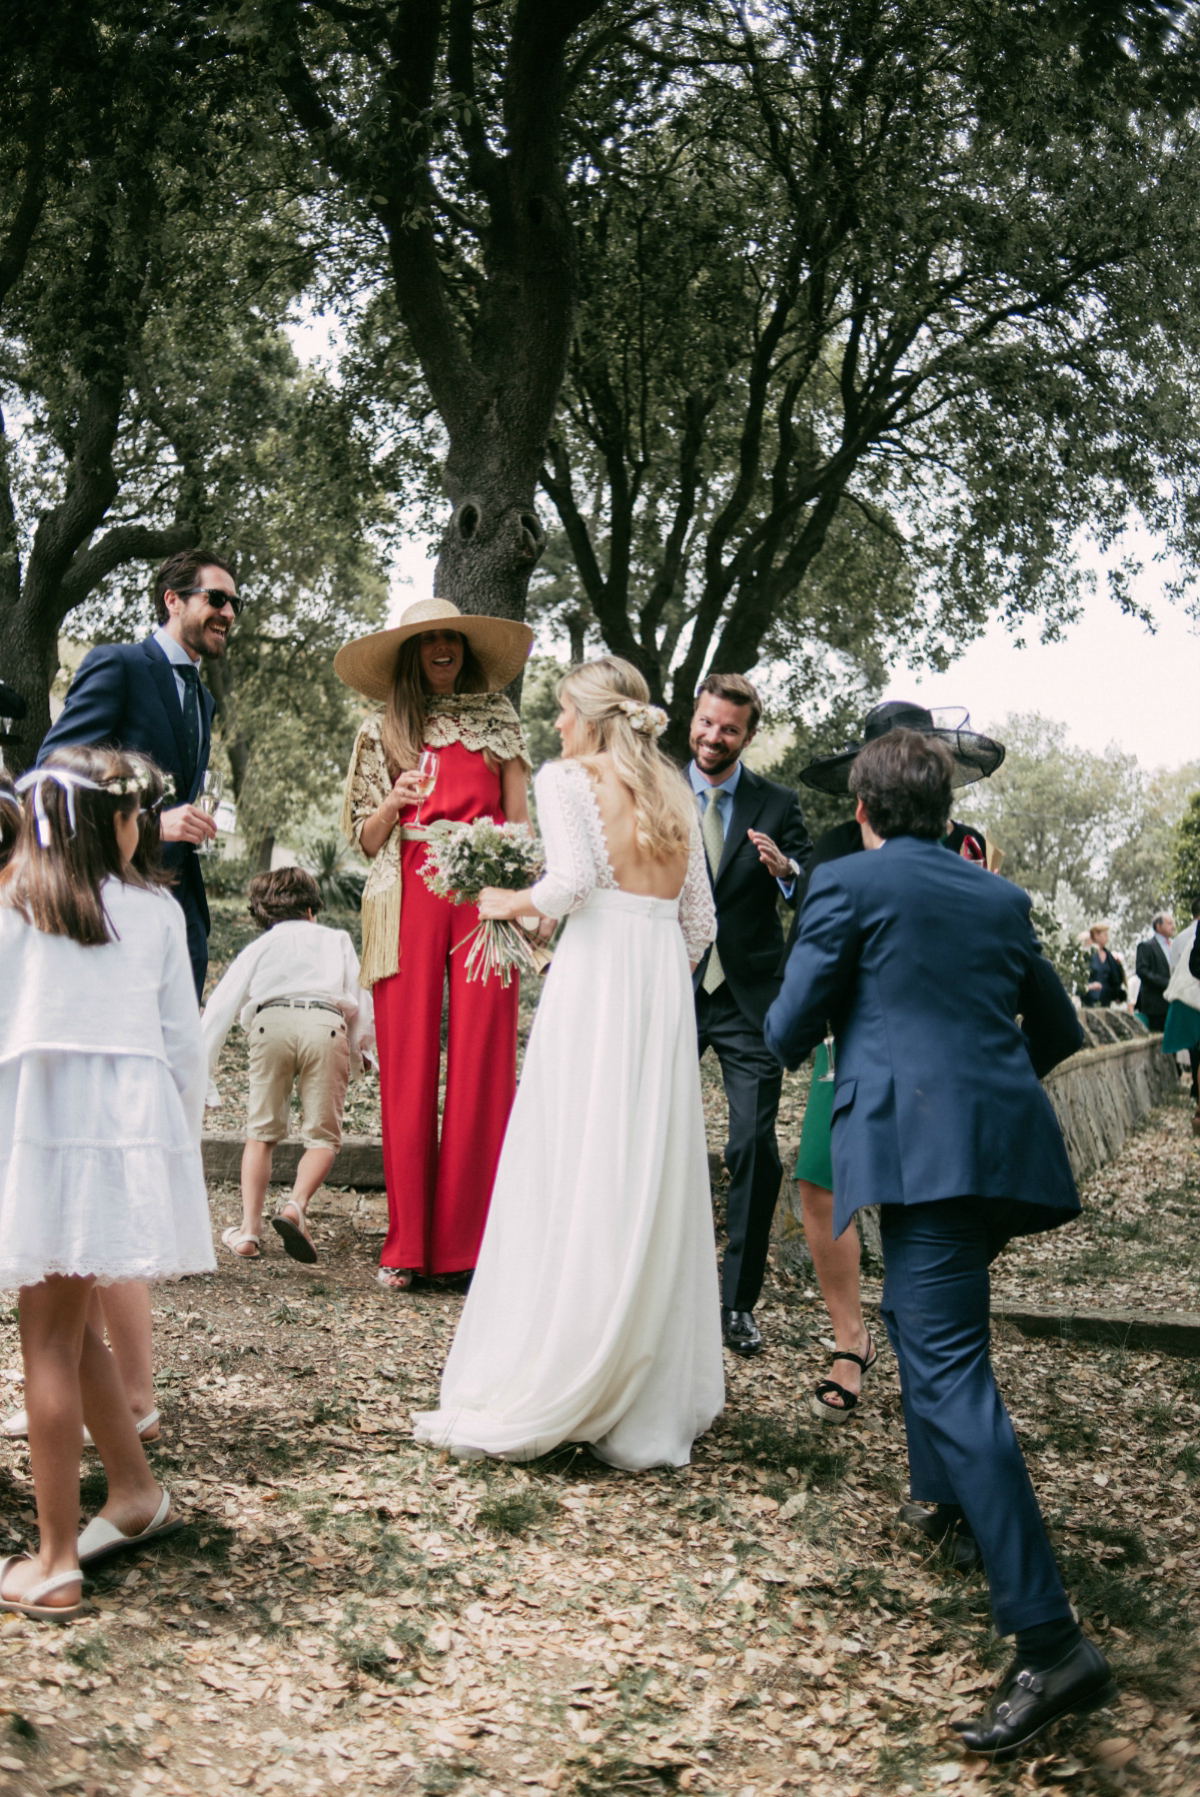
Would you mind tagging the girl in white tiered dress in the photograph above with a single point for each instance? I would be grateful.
(593, 1315)
(102, 1079)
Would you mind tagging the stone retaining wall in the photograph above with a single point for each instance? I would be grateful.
(1099, 1095)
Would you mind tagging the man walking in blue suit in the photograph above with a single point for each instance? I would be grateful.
(922, 962)
(148, 696)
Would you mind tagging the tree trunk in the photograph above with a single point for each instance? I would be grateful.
(28, 663)
(490, 546)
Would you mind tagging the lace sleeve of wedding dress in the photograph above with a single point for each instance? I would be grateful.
(569, 823)
(697, 912)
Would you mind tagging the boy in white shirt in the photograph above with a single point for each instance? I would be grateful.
(297, 995)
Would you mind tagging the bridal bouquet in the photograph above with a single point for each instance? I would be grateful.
(460, 860)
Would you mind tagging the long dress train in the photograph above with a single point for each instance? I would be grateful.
(594, 1314)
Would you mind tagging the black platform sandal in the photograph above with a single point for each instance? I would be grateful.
(840, 1413)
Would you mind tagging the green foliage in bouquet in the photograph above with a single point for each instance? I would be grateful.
(460, 861)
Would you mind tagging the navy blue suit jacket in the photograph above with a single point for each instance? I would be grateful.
(922, 962)
(125, 695)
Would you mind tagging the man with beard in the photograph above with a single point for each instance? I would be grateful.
(147, 696)
(757, 848)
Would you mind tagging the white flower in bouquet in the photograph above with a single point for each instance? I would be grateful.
(460, 860)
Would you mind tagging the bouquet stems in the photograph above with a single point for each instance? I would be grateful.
(494, 947)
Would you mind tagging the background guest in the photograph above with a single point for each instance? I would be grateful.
(1153, 968)
(1181, 1030)
(1106, 976)
(757, 848)
(438, 674)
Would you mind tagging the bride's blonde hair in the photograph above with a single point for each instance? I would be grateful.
(662, 802)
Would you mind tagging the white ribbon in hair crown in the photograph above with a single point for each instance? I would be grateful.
(65, 777)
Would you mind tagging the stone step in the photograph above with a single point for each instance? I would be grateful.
(359, 1163)
(1164, 1331)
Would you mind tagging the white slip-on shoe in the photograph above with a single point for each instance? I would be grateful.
(102, 1540)
(31, 1604)
(16, 1427)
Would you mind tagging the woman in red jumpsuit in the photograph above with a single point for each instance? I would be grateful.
(439, 675)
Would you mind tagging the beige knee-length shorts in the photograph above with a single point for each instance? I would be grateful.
(311, 1048)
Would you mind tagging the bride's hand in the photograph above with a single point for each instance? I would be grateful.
(497, 905)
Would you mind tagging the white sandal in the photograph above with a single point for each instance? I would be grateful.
(233, 1237)
(102, 1540)
(16, 1427)
(31, 1604)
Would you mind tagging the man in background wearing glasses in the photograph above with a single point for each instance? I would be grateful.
(148, 696)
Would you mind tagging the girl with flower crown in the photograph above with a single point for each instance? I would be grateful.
(102, 1078)
(593, 1315)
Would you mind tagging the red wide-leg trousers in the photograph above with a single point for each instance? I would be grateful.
(438, 1196)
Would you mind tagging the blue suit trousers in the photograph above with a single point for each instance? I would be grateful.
(962, 1448)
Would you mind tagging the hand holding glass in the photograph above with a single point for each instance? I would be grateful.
(208, 801)
(427, 772)
(829, 1074)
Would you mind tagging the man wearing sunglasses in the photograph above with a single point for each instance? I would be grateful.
(148, 696)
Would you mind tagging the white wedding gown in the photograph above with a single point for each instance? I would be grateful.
(593, 1315)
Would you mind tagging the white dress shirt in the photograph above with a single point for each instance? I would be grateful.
(296, 959)
(725, 790)
(178, 657)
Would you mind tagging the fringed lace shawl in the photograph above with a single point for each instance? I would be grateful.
(480, 722)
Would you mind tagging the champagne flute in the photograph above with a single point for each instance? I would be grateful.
(829, 1074)
(209, 801)
(426, 771)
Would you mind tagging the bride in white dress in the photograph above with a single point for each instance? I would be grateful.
(593, 1315)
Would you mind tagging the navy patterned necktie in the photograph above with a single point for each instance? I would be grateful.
(191, 715)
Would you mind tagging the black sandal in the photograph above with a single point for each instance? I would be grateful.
(295, 1237)
(840, 1413)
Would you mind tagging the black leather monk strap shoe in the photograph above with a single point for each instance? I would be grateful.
(741, 1332)
(956, 1541)
(1026, 1702)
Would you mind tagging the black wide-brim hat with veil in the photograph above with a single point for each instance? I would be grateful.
(975, 756)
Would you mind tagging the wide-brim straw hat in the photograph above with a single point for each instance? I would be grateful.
(501, 647)
(975, 756)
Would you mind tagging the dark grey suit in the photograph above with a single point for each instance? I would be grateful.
(730, 1020)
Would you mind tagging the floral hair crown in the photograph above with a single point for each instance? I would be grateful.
(125, 786)
(645, 719)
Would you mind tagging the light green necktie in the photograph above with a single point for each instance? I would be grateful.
(713, 832)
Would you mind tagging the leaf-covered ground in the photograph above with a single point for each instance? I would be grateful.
(346, 1609)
